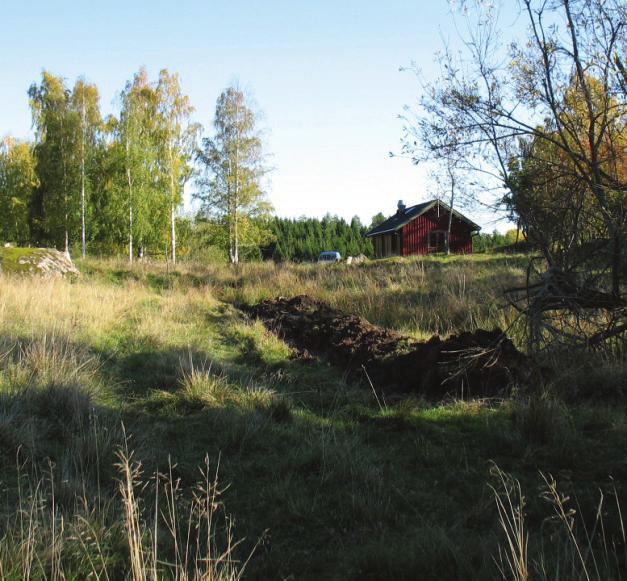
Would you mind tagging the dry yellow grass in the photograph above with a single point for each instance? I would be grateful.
(94, 313)
(419, 297)
(55, 402)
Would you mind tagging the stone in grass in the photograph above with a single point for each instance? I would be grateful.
(45, 262)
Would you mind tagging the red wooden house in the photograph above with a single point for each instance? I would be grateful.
(422, 229)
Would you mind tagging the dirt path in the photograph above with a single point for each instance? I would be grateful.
(478, 364)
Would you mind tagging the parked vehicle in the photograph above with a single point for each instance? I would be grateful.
(329, 256)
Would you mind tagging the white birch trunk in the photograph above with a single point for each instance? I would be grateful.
(130, 234)
(172, 206)
(65, 202)
(173, 234)
(83, 129)
(130, 204)
(236, 201)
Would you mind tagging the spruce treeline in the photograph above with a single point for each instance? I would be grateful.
(303, 239)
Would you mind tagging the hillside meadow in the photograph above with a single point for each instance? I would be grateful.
(149, 429)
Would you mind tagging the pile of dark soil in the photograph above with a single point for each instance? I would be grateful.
(478, 364)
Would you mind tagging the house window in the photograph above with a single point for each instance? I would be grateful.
(437, 241)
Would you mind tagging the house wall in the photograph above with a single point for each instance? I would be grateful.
(416, 233)
(387, 245)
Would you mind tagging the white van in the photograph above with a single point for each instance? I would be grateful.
(329, 256)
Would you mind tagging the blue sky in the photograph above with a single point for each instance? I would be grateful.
(325, 74)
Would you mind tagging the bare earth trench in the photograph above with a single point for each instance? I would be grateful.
(478, 364)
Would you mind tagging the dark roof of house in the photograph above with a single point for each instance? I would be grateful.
(398, 220)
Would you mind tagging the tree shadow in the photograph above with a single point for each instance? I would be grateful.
(136, 373)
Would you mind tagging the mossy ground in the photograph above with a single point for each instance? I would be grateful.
(15, 260)
(9, 259)
(336, 484)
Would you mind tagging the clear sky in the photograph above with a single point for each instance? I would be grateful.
(324, 73)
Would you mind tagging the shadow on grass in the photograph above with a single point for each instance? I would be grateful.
(364, 493)
(347, 489)
(346, 492)
(136, 373)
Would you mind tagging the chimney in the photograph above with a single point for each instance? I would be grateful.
(401, 207)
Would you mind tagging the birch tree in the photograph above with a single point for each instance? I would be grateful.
(85, 104)
(56, 206)
(137, 136)
(177, 138)
(234, 167)
(573, 52)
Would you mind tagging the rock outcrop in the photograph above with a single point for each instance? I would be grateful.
(36, 261)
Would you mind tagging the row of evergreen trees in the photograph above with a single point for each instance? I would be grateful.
(303, 239)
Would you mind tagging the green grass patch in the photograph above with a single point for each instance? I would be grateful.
(324, 480)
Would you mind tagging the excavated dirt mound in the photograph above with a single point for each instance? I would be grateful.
(482, 363)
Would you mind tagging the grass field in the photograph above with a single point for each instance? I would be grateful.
(149, 430)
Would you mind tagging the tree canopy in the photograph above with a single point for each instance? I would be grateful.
(231, 188)
(544, 131)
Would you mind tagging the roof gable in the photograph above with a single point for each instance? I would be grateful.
(398, 220)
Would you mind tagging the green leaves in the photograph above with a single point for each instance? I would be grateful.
(56, 124)
(18, 181)
(233, 160)
(120, 181)
(68, 131)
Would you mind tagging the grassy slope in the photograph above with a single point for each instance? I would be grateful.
(336, 486)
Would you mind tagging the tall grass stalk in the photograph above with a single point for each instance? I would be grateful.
(188, 539)
(575, 550)
(196, 554)
(510, 504)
